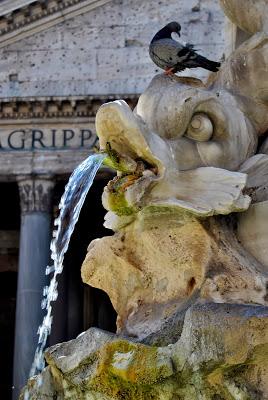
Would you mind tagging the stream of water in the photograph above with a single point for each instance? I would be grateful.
(70, 205)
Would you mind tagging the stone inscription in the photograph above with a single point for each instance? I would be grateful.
(40, 137)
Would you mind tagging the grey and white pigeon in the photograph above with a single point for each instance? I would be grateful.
(173, 56)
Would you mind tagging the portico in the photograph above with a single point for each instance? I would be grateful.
(37, 153)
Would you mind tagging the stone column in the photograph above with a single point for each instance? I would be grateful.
(34, 254)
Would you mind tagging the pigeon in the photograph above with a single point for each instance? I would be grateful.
(173, 56)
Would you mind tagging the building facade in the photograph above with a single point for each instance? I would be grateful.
(59, 61)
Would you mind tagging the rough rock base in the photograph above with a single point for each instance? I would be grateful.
(222, 354)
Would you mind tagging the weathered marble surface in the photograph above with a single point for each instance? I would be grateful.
(222, 354)
(249, 15)
(253, 233)
(193, 168)
(160, 264)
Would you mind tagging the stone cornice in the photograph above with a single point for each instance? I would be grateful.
(7, 6)
(40, 15)
(57, 107)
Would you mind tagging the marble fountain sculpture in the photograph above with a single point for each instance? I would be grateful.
(187, 267)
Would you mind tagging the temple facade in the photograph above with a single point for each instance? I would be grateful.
(59, 61)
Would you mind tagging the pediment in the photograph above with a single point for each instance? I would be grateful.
(7, 6)
(22, 18)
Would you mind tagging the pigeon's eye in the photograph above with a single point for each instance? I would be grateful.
(200, 128)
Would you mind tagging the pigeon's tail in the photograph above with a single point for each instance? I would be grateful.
(207, 64)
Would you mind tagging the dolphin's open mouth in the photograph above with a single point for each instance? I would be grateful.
(134, 174)
(125, 139)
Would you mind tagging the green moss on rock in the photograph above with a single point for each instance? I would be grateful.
(129, 371)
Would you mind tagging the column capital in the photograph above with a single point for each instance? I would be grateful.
(35, 193)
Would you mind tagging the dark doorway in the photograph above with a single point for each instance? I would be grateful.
(9, 247)
(79, 306)
(9, 206)
(8, 289)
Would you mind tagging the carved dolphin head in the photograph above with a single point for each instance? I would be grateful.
(188, 141)
(202, 127)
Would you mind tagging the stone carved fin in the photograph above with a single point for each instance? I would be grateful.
(204, 191)
(256, 168)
